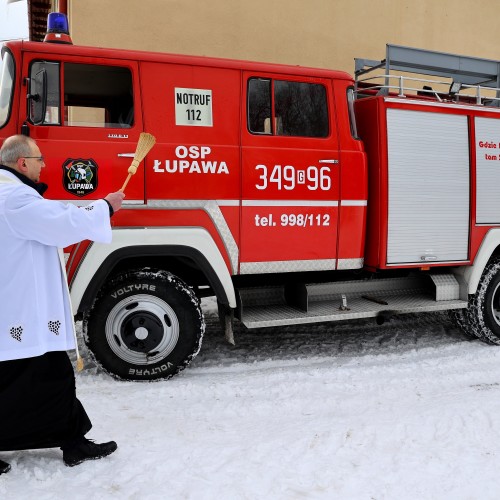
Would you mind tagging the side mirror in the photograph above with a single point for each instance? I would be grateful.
(38, 98)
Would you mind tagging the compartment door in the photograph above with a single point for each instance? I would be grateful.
(428, 172)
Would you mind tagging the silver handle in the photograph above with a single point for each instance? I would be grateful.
(126, 155)
(335, 162)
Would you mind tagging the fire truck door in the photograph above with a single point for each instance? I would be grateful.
(290, 171)
(90, 126)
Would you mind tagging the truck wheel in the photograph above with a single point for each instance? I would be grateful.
(144, 325)
(459, 319)
(462, 320)
(483, 313)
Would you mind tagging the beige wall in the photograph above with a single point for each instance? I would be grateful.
(321, 33)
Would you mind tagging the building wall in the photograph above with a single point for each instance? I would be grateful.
(320, 33)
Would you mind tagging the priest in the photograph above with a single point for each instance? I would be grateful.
(38, 403)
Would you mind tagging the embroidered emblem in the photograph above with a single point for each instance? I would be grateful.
(89, 208)
(54, 326)
(16, 332)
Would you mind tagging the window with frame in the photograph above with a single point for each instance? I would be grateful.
(287, 108)
(94, 95)
(98, 96)
(48, 73)
(352, 115)
(7, 70)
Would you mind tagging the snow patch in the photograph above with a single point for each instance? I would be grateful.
(407, 410)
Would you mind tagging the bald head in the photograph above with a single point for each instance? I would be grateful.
(23, 155)
(15, 147)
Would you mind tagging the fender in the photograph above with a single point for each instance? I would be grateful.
(471, 275)
(192, 241)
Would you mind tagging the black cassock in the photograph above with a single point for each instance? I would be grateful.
(38, 403)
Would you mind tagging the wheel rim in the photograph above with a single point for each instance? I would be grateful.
(142, 329)
(495, 304)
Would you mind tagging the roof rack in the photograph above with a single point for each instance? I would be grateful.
(465, 73)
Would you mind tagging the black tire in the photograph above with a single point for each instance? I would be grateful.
(460, 318)
(144, 325)
(483, 313)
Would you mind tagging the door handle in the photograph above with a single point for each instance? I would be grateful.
(126, 155)
(335, 162)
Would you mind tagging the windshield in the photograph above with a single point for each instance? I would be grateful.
(6, 86)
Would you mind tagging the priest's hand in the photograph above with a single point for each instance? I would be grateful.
(115, 200)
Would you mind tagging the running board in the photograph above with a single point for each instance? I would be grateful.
(344, 300)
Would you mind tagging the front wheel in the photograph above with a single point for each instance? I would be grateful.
(144, 325)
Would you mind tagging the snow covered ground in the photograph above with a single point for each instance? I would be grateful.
(406, 410)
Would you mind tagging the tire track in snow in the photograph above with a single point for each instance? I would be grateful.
(340, 340)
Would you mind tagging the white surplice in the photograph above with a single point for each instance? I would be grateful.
(35, 312)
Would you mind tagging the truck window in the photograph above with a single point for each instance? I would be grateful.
(6, 86)
(352, 116)
(300, 109)
(259, 106)
(52, 69)
(94, 95)
(98, 96)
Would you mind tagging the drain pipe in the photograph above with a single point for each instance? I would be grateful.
(63, 7)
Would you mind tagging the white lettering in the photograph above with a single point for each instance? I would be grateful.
(183, 165)
(131, 288)
(181, 151)
(194, 152)
(194, 168)
(209, 166)
(157, 165)
(158, 369)
(80, 186)
(172, 168)
(223, 168)
(191, 167)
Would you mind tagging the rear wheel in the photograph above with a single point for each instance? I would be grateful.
(458, 318)
(483, 313)
(145, 325)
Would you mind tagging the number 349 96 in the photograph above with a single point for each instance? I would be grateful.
(288, 177)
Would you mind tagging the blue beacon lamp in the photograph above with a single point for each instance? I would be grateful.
(57, 29)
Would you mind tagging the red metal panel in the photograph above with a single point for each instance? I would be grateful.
(353, 181)
(352, 223)
(371, 117)
(191, 162)
(171, 218)
(290, 198)
(284, 233)
(371, 128)
(76, 255)
(68, 51)
(60, 143)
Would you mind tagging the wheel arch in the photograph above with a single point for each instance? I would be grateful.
(102, 261)
(471, 275)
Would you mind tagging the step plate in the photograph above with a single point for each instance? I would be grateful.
(281, 315)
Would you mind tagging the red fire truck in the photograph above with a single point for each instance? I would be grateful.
(293, 195)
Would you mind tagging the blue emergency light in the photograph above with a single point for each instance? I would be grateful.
(57, 29)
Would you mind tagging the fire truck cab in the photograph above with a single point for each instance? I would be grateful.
(291, 194)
